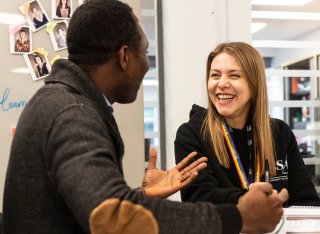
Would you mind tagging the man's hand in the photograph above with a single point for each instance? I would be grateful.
(158, 183)
(261, 208)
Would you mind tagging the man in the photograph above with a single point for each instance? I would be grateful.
(65, 167)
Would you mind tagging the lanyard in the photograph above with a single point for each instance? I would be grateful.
(236, 158)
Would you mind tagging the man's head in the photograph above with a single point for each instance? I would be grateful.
(98, 29)
(105, 39)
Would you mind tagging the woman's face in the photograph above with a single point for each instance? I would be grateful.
(36, 11)
(60, 32)
(38, 60)
(22, 35)
(229, 90)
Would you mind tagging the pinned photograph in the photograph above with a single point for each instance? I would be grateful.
(35, 14)
(38, 65)
(20, 39)
(61, 9)
(58, 35)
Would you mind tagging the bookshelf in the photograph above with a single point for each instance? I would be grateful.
(298, 104)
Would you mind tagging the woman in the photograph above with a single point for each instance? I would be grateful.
(61, 38)
(41, 66)
(238, 136)
(39, 19)
(63, 9)
(22, 44)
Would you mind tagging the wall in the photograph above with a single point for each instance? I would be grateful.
(21, 87)
(130, 120)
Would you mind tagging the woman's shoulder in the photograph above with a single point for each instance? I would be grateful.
(280, 128)
(197, 113)
(278, 123)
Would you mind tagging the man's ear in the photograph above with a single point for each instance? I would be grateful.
(124, 57)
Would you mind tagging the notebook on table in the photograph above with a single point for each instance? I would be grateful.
(294, 212)
(299, 219)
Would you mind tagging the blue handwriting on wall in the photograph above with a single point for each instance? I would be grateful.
(7, 105)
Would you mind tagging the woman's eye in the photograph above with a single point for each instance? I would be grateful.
(235, 76)
(214, 76)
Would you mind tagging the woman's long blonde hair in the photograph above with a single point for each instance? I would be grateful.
(252, 65)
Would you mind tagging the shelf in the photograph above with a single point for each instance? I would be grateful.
(306, 132)
(295, 103)
(285, 44)
(312, 161)
(293, 73)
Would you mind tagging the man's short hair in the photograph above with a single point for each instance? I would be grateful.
(98, 29)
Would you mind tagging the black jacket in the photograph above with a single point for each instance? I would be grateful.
(217, 184)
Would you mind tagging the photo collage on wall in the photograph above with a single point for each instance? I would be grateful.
(37, 19)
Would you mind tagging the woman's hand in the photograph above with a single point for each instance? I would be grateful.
(159, 183)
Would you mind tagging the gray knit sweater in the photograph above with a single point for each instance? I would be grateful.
(66, 158)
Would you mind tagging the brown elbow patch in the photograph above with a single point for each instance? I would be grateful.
(116, 216)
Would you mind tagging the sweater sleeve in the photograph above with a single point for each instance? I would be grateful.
(84, 167)
(211, 184)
